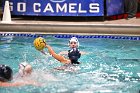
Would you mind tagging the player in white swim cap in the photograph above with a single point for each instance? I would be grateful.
(25, 69)
(74, 53)
(74, 40)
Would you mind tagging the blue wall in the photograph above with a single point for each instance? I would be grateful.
(114, 7)
(58, 7)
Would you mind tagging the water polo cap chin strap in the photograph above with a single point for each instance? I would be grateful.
(22, 68)
(73, 39)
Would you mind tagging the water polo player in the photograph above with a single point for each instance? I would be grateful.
(73, 53)
(6, 73)
(25, 69)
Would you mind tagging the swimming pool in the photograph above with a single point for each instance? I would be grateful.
(112, 63)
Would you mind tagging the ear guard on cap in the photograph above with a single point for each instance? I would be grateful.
(74, 39)
(22, 68)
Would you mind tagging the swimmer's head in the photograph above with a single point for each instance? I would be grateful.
(25, 69)
(73, 42)
(6, 73)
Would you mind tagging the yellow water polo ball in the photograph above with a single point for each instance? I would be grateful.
(39, 43)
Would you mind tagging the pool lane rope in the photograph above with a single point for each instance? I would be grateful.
(69, 36)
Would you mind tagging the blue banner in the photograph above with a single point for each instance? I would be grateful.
(57, 7)
(114, 7)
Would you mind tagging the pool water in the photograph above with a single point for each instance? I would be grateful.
(110, 65)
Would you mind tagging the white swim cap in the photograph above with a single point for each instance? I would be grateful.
(74, 39)
(22, 68)
(23, 65)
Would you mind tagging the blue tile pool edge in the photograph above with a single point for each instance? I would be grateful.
(69, 36)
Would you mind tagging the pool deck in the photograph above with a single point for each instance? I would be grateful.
(111, 27)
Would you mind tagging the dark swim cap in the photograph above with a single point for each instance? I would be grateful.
(6, 73)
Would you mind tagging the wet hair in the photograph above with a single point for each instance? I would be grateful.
(6, 73)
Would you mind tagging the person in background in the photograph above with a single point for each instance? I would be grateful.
(131, 8)
(6, 75)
